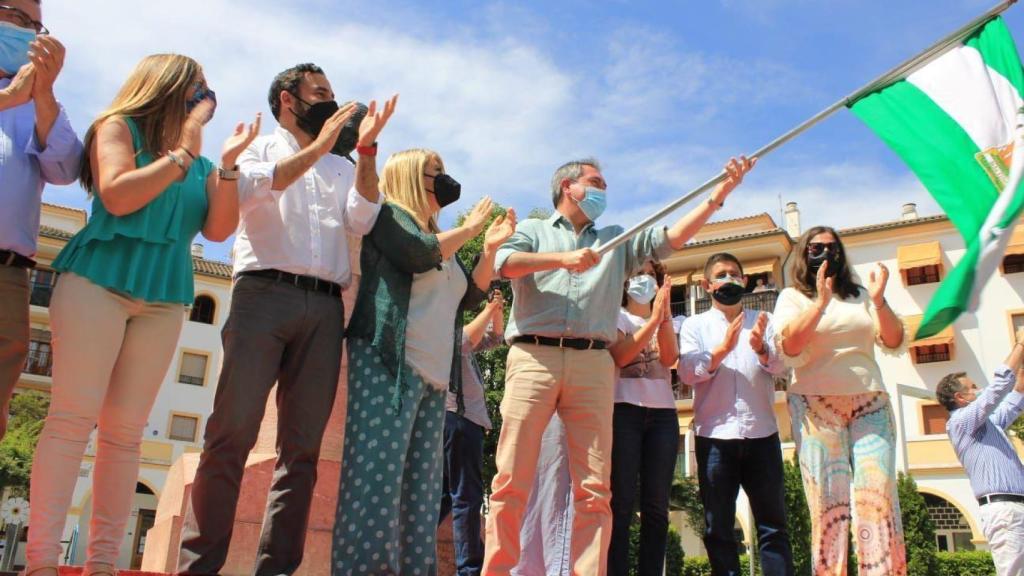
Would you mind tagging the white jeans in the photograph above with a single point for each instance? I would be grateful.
(1003, 525)
(110, 357)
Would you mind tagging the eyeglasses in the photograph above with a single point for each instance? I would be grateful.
(816, 248)
(18, 17)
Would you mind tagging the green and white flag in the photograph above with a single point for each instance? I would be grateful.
(955, 123)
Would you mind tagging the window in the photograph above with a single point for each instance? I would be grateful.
(193, 369)
(41, 286)
(183, 428)
(1017, 321)
(934, 353)
(922, 275)
(1013, 263)
(40, 354)
(933, 418)
(203, 309)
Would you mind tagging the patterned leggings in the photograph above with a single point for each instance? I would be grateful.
(840, 436)
(390, 492)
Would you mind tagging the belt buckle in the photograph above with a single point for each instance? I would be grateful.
(10, 258)
(590, 344)
(561, 341)
(316, 284)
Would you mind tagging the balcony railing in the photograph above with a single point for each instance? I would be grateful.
(39, 362)
(763, 301)
(680, 308)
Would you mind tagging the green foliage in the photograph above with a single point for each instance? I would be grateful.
(798, 517)
(1017, 428)
(674, 555)
(28, 412)
(963, 563)
(700, 566)
(540, 213)
(685, 497)
(918, 529)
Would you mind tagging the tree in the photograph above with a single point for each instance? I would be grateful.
(918, 529)
(28, 413)
(685, 497)
(798, 517)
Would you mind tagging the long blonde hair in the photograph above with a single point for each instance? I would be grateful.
(402, 185)
(154, 96)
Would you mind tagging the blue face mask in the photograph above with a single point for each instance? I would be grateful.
(14, 47)
(594, 202)
(642, 288)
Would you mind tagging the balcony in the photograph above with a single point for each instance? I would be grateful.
(41, 287)
(39, 362)
(762, 301)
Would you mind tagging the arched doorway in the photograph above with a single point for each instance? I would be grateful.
(140, 520)
(952, 531)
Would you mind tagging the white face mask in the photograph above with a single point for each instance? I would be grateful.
(642, 288)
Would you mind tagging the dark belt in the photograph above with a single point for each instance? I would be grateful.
(1000, 498)
(574, 343)
(305, 282)
(15, 260)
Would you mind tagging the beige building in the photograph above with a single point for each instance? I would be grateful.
(919, 252)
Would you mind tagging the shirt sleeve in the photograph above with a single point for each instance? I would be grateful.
(694, 359)
(1009, 409)
(649, 244)
(61, 160)
(490, 341)
(975, 414)
(787, 308)
(523, 240)
(360, 213)
(255, 185)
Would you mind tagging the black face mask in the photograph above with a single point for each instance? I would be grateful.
(728, 294)
(446, 190)
(316, 115)
(815, 262)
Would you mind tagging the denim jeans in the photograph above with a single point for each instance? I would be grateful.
(723, 466)
(644, 449)
(463, 492)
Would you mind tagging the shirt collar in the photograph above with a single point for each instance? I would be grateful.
(288, 138)
(557, 219)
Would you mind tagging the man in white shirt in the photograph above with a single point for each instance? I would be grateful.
(298, 201)
(728, 356)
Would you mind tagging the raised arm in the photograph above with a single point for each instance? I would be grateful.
(684, 229)
(889, 327)
(288, 170)
(798, 332)
(121, 186)
(222, 193)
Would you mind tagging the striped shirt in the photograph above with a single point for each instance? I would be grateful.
(978, 434)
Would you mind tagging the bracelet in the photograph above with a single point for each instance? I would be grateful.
(717, 205)
(189, 152)
(884, 304)
(367, 150)
(177, 160)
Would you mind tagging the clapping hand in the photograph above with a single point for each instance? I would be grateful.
(375, 121)
(757, 343)
(877, 279)
(501, 229)
(239, 141)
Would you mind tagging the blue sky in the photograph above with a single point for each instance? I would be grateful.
(661, 92)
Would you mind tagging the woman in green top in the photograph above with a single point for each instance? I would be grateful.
(119, 305)
(403, 355)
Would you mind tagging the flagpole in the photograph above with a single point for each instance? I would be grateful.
(899, 72)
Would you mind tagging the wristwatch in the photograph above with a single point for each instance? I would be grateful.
(225, 174)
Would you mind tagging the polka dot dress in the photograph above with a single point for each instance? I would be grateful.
(391, 473)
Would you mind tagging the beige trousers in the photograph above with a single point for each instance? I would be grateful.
(111, 353)
(579, 385)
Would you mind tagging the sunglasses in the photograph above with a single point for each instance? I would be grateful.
(816, 248)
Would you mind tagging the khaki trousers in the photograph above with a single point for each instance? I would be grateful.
(579, 385)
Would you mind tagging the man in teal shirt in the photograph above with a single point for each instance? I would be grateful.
(566, 299)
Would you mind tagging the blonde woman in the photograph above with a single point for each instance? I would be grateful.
(119, 305)
(403, 352)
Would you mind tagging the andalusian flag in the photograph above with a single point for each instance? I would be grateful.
(954, 122)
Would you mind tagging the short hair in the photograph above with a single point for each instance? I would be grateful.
(288, 81)
(946, 391)
(569, 171)
(720, 257)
